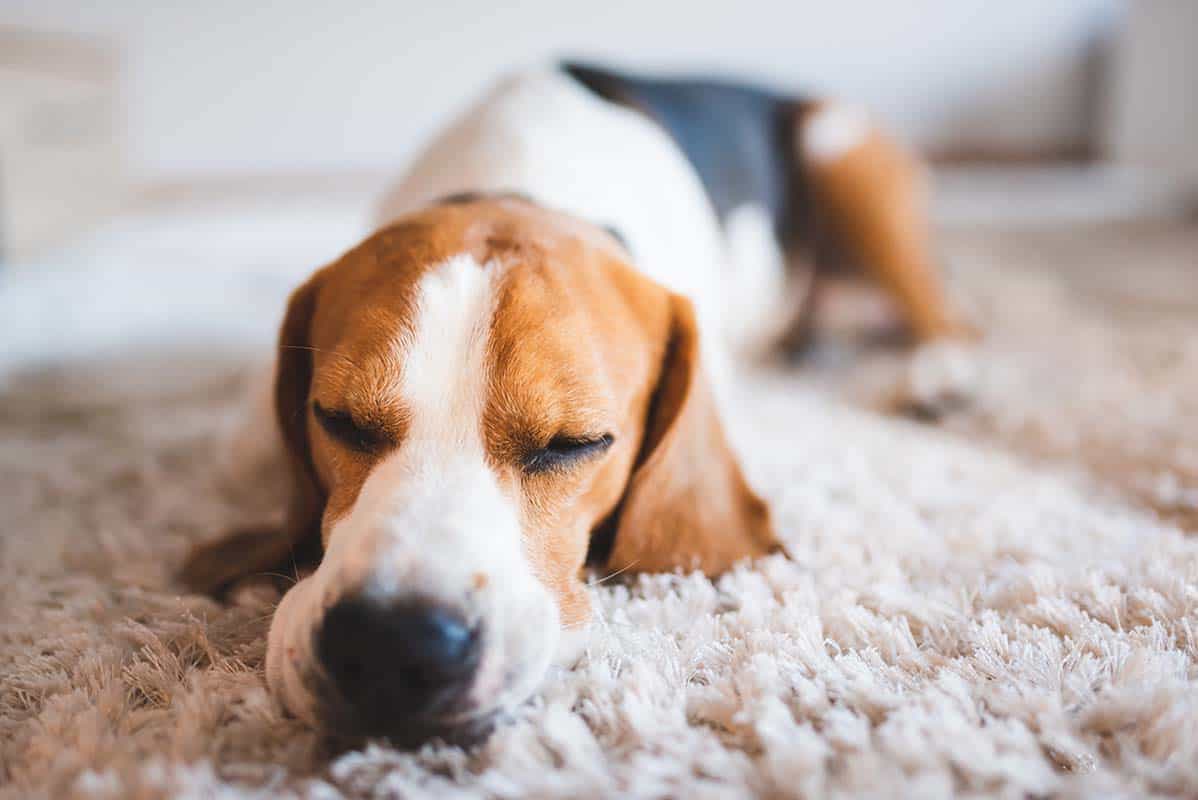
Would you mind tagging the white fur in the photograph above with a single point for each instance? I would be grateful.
(760, 266)
(832, 132)
(543, 135)
(431, 520)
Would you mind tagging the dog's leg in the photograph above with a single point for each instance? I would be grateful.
(800, 337)
(872, 196)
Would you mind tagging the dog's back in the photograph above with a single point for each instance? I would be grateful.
(739, 138)
(798, 183)
(545, 135)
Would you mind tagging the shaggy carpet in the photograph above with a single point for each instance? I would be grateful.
(1002, 601)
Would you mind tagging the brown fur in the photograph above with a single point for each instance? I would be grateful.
(870, 207)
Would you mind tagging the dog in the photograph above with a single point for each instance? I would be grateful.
(521, 373)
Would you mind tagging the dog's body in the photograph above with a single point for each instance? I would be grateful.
(493, 388)
(739, 198)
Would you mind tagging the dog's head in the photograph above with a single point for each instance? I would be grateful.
(472, 400)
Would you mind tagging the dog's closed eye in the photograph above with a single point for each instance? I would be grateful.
(342, 427)
(565, 451)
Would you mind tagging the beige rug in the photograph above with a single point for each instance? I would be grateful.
(1003, 603)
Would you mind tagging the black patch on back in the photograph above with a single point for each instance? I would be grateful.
(739, 138)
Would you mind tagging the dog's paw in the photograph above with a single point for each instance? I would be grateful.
(938, 379)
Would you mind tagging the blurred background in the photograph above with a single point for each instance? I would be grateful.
(257, 135)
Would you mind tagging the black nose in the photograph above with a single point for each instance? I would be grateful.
(388, 661)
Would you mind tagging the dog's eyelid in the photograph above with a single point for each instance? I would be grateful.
(566, 449)
(342, 426)
(567, 441)
(325, 413)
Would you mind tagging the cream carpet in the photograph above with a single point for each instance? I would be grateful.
(1002, 603)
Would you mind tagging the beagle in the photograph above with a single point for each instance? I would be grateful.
(494, 390)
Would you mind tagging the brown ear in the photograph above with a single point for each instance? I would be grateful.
(687, 503)
(212, 568)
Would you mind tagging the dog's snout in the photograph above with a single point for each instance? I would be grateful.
(389, 660)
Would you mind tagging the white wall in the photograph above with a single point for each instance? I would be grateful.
(231, 85)
(1154, 113)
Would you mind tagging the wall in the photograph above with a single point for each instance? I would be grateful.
(1154, 113)
(226, 86)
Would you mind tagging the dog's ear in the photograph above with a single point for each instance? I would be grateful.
(687, 503)
(212, 568)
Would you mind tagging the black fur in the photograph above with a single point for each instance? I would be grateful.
(739, 138)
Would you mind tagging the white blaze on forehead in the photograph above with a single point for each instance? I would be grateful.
(432, 514)
(444, 376)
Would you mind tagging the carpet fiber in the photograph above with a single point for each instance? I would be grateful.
(1003, 602)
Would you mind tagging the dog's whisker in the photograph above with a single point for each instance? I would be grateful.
(280, 575)
(608, 577)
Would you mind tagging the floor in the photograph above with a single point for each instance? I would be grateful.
(1107, 370)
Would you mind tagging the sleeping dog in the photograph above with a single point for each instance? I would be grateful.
(520, 373)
